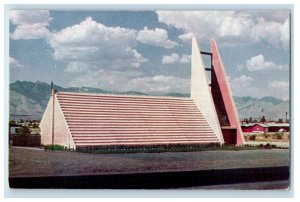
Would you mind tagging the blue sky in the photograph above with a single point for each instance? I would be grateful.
(149, 51)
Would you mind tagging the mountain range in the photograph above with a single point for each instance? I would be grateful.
(28, 100)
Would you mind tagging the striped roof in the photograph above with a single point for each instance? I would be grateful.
(98, 119)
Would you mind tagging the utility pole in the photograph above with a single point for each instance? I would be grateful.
(53, 111)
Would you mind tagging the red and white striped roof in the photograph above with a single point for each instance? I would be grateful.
(97, 119)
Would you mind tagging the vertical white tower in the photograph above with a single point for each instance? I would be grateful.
(200, 91)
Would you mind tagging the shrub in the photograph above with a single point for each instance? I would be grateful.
(278, 136)
(24, 130)
(55, 147)
(266, 135)
(252, 137)
(267, 146)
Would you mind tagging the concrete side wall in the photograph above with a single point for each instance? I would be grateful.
(46, 124)
(226, 93)
(62, 135)
(200, 91)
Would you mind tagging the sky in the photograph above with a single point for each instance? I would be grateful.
(149, 51)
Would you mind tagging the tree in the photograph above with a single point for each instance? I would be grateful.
(250, 119)
(24, 131)
(12, 122)
(280, 120)
(263, 119)
(35, 125)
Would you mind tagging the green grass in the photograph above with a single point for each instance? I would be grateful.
(55, 148)
(170, 148)
(158, 148)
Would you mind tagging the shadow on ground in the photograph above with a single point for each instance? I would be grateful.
(155, 180)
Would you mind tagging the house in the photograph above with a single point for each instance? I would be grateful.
(279, 127)
(254, 128)
(208, 116)
(266, 127)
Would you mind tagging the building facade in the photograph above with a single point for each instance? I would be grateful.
(208, 116)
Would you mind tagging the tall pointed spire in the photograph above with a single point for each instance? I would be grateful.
(223, 100)
(200, 90)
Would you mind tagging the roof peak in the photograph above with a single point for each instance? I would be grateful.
(120, 95)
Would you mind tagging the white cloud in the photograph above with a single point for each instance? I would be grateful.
(279, 89)
(186, 37)
(96, 45)
(31, 24)
(174, 57)
(279, 85)
(35, 31)
(258, 62)
(19, 17)
(231, 27)
(76, 67)
(168, 59)
(155, 37)
(185, 59)
(285, 34)
(13, 63)
(132, 81)
(160, 84)
(241, 82)
(283, 67)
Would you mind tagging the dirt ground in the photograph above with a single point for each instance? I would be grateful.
(29, 162)
(268, 137)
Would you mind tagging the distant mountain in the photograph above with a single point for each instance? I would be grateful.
(270, 107)
(29, 100)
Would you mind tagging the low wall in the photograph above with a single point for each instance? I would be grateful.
(26, 140)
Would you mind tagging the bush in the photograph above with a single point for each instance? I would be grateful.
(24, 130)
(55, 147)
(278, 136)
(266, 135)
(267, 146)
(252, 137)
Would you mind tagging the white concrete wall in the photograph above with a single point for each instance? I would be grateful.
(62, 134)
(200, 91)
(46, 124)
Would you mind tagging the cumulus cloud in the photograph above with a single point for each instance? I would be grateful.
(160, 84)
(186, 37)
(95, 45)
(231, 27)
(258, 62)
(76, 67)
(31, 24)
(185, 59)
(134, 80)
(283, 85)
(168, 59)
(174, 57)
(279, 89)
(13, 63)
(155, 37)
(241, 81)
(105, 57)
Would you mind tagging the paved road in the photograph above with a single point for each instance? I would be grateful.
(24, 162)
(247, 169)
